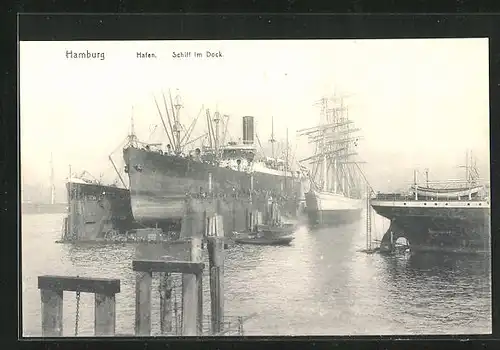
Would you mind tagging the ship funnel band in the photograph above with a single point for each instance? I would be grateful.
(248, 130)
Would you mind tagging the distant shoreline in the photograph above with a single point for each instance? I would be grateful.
(43, 208)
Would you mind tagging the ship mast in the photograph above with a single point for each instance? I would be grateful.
(335, 165)
(217, 136)
(272, 140)
(177, 125)
(472, 170)
(173, 127)
(333, 138)
(467, 176)
(70, 203)
(213, 135)
(471, 173)
(132, 138)
(325, 164)
(415, 183)
(286, 161)
(343, 167)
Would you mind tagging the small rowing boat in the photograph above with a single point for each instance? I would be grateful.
(252, 238)
(267, 235)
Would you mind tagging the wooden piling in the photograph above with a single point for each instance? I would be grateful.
(233, 215)
(143, 302)
(216, 261)
(191, 311)
(199, 315)
(250, 223)
(205, 223)
(216, 268)
(215, 226)
(52, 312)
(104, 315)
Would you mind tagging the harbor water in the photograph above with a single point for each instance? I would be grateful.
(322, 284)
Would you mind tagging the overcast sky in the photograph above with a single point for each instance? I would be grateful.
(420, 103)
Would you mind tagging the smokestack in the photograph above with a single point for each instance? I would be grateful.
(248, 132)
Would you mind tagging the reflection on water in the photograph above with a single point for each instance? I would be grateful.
(321, 284)
(451, 288)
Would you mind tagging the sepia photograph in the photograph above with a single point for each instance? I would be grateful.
(255, 188)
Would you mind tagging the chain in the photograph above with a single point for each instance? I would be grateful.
(77, 312)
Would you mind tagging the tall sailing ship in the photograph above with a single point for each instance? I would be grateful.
(452, 215)
(335, 195)
(161, 177)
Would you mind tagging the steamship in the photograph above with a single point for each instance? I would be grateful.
(334, 196)
(160, 178)
(450, 216)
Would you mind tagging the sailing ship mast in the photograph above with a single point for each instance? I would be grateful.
(324, 164)
(471, 172)
(286, 161)
(333, 139)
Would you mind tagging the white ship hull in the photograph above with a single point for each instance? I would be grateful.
(331, 209)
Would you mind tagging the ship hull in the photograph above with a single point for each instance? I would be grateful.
(462, 226)
(159, 184)
(330, 209)
(96, 209)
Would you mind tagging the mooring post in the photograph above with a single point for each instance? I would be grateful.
(52, 312)
(240, 326)
(255, 219)
(205, 223)
(250, 221)
(105, 314)
(191, 284)
(216, 268)
(233, 215)
(192, 232)
(246, 217)
(143, 283)
(199, 315)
